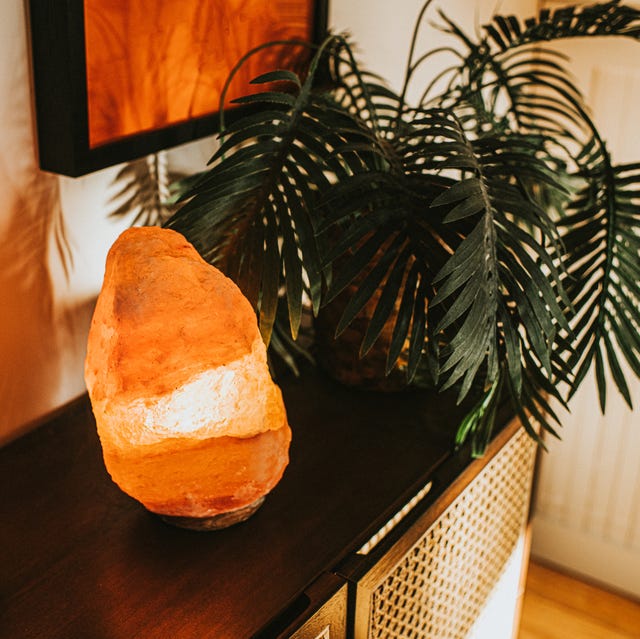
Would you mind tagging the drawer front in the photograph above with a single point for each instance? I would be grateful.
(435, 581)
(329, 622)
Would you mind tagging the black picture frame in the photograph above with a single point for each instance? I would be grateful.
(60, 90)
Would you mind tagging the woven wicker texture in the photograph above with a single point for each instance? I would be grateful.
(439, 587)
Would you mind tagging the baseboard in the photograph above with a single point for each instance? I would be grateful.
(612, 567)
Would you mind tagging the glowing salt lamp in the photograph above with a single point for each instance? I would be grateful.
(191, 423)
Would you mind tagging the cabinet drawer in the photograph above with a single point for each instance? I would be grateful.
(436, 579)
(329, 622)
(319, 613)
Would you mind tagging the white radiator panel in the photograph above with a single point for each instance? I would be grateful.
(587, 513)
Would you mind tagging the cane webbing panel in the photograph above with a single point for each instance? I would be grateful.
(440, 585)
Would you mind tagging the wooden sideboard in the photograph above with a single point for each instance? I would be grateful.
(375, 518)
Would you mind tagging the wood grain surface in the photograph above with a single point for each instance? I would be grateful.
(81, 559)
(558, 606)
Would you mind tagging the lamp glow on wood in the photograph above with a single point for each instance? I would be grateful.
(190, 421)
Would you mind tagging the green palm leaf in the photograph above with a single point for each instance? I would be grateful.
(401, 240)
(607, 18)
(602, 239)
(512, 79)
(442, 217)
(255, 212)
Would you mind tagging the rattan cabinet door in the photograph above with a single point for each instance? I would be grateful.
(437, 580)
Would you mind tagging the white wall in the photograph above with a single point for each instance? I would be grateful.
(44, 311)
(43, 320)
(382, 28)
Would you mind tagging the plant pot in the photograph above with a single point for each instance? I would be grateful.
(340, 356)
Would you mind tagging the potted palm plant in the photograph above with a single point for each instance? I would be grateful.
(483, 231)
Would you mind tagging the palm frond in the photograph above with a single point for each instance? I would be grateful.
(575, 21)
(291, 352)
(499, 262)
(602, 19)
(440, 219)
(255, 211)
(602, 240)
(512, 78)
(392, 241)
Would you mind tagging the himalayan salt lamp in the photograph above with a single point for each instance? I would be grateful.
(191, 423)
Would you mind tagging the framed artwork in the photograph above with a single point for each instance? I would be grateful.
(118, 80)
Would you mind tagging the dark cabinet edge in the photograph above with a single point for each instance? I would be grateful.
(446, 482)
(294, 617)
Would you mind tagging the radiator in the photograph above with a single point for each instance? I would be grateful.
(587, 512)
(587, 505)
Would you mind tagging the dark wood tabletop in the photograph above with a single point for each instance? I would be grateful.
(80, 559)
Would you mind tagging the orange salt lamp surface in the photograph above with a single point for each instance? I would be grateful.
(190, 421)
(153, 63)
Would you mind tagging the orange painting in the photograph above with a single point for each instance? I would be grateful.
(155, 63)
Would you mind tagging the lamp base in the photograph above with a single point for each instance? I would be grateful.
(216, 522)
